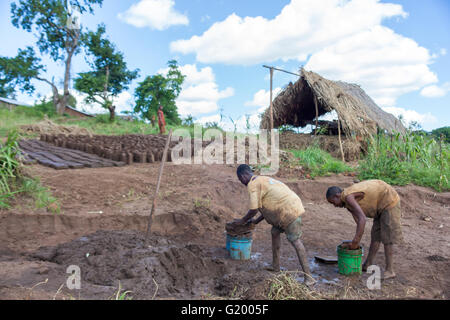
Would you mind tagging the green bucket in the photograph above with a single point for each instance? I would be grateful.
(349, 261)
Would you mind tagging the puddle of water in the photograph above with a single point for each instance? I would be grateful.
(313, 265)
(333, 281)
(256, 256)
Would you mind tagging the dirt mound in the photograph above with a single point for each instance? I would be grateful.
(49, 127)
(162, 269)
(352, 148)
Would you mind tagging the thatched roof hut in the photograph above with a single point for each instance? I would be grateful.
(358, 113)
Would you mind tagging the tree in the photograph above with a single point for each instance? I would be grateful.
(188, 121)
(109, 76)
(160, 90)
(17, 73)
(57, 37)
(445, 131)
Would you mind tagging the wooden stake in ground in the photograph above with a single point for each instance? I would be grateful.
(340, 141)
(161, 168)
(317, 115)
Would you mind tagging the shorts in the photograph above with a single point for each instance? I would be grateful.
(293, 230)
(387, 227)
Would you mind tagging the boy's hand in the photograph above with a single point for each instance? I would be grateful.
(350, 245)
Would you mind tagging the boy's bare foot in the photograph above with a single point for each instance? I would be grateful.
(274, 269)
(389, 275)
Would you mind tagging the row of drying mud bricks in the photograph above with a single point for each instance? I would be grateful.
(139, 154)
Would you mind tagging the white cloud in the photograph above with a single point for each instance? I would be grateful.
(384, 63)
(200, 92)
(426, 120)
(435, 91)
(206, 119)
(302, 27)
(155, 14)
(344, 40)
(262, 98)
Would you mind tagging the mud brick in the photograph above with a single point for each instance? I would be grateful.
(150, 157)
(129, 158)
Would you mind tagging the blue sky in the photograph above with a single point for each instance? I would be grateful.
(398, 51)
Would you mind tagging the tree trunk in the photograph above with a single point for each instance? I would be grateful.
(71, 46)
(112, 113)
(56, 97)
(61, 107)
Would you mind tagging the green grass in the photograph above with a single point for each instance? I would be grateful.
(13, 182)
(318, 162)
(18, 117)
(411, 158)
(398, 160)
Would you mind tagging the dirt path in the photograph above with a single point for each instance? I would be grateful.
(187, 258)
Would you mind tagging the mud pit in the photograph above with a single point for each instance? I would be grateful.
(187, 258)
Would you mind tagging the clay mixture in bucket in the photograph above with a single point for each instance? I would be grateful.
(240, 230)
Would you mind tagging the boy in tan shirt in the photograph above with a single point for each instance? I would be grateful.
(372, 199)
(280, 207)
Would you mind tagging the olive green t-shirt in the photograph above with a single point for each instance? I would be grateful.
(378, 196)
(279, 205)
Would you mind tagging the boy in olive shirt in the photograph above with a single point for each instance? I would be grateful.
(372, 199)
(280, 207)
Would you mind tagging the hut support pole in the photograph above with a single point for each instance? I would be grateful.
(340, 140)
(271, 109)
(317, 115)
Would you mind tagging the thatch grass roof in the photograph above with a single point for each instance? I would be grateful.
(358, 113)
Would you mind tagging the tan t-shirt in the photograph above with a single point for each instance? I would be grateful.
(278, 204)
(378, 196)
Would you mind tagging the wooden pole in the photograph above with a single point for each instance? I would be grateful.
(317, 114)
(271, 109)
(271, 87)
(161, 168)
(340, 140)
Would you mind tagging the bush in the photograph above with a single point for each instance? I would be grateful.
(45, 107)
(445, 131)
(411, 158)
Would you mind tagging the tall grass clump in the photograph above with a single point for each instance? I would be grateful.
(411, 158)
(14, 182)
(9, 167)
(319, 162)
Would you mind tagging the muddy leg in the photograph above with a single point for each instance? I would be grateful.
(276, 243)
(303, 259)
(374, 246)
(388, 252)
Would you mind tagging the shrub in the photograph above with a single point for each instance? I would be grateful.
(410, 158)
